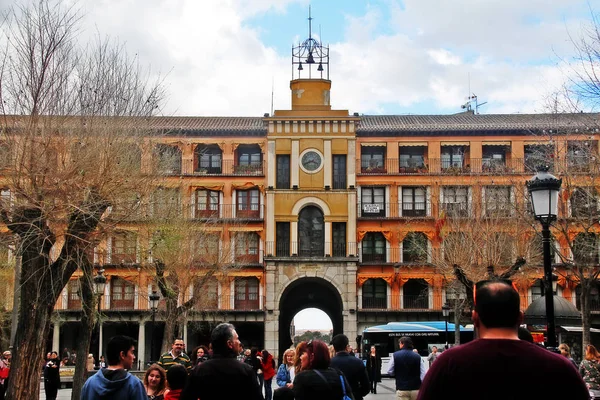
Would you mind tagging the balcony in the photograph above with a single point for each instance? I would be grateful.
(234, 302)
(392, 210)
(226, 167)
(378, 255)
(291, 250)
(437, 166)
(396, 302)
(253, 212)
(455, 210)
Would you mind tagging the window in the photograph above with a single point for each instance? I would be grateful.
(248, 202)
(455, 201)
(122, 294)
(249, 160)
(124, 248)
(311, 232)
(585, 249)
(414, 202)
(166, 203)
(593, 296)
(412, 159)
(537, 290)
(579, 154)
(206, 248)
(416, 294)
(497, 201)
(282, 244)
(584, 203)
(537, 155)
(372, 202)
(373, 247)
(206, 292)
(374, 294)
(74, 299)
(129, 157)
(339, 171)
(414, 247)
(283, 171)
(207, 203)
(246, 294)
(536, 250)
(246, 247)
(498, 250)
(372, 159)
(167, 159)
(339, 239)
(453, 157)
(208, 159)
(493, 158)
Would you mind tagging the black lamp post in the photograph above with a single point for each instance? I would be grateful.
(446, 313)
(153, 299)
(99, 285)
(543, 189)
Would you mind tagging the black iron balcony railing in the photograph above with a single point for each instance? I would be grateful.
(297, 249)
(225, 167)
(395, 302)
(442, 166)
(249, 212)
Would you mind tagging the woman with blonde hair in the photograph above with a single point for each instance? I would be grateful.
(589, 368)
(286, 371)
(155, 382)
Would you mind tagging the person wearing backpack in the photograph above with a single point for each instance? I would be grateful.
(354, 370)
(317, 380)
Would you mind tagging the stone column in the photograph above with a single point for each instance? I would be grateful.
(56, 337)
(350, 318)
(141, 345)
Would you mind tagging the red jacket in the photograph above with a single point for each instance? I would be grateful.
(268, 367)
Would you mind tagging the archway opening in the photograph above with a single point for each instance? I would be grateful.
(308, 293)
(309, 324)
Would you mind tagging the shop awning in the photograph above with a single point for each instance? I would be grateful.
(374, 144)
(505, 143)
(577, 329)
(413, 144)
(455, 143)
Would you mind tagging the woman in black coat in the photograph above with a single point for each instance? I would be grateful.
(374, 368)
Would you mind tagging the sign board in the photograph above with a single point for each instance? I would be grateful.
(371, 208)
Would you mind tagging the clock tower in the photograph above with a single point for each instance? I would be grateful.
(311, 253)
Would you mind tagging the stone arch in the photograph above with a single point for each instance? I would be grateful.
(311, 201)
(304, 293)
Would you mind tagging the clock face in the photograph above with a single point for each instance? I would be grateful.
(311, 161)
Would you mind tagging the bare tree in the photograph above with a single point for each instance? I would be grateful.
(69, 116)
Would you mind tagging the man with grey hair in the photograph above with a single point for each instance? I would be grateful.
(223, 376)
(406, 367)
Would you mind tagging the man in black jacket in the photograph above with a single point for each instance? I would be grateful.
(52, 376)
(352, 367)
(223, 376)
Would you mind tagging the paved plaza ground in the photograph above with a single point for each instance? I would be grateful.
(385, 391)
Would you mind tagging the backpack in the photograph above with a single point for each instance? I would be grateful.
(344, 396)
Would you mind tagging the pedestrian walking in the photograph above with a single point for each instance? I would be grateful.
(407, 368)
(268, 368)
(354, 370)
(175, 356)
(374, 368)
(498, 365)
(155, 382)
(114, 382)
(52, 376)
(317, 380)
(223, 376)
(433, 355)
(590, 367)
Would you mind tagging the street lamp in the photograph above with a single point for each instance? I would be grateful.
(543, 189)
(99, 285)
(446, 313)
(153, 299)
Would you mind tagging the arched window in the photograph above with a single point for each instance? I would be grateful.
(311, 232)
(373, 247)
(416, 294)
(246, 294)
(414, 248)
(374, 294)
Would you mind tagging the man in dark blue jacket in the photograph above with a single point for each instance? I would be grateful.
(405, 365)
(354, 370)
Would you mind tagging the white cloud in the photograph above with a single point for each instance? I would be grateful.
(444, 57)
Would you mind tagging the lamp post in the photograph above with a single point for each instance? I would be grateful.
(99, 285)
(446, 313)
(543, 190)
(153, 299)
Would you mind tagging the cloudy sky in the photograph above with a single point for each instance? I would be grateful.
(222, 57)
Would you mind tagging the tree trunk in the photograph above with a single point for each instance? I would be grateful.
(170, 323)
(585, 315)
(35, 310)
(87, 327)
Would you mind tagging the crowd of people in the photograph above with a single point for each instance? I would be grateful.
(500, 364)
